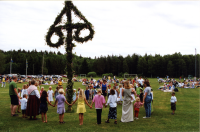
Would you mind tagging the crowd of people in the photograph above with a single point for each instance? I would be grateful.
(34, 100)
(172, 84)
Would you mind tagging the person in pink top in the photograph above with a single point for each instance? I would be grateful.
(137, 105)
(99, 101)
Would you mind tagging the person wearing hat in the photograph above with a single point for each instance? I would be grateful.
(104, 88)
(99, 101)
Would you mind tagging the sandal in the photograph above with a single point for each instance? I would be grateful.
(107, 121)
(15, 115)
(115, 122)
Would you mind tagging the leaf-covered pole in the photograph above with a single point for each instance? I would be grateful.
(69, 56)
(69, 26)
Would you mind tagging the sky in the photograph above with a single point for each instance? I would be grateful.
(121, 27)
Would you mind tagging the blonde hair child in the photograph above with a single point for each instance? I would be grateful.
(120, 92)
(137, 105)
(99, 100)
(50, 94)
(24, 105)
(81, 105)
(61, 105)
(23, 89)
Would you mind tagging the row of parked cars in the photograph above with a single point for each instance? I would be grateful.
(32, 76)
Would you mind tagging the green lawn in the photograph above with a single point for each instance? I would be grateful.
(186, 117)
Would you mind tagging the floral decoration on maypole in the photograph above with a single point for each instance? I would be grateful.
(67, 40)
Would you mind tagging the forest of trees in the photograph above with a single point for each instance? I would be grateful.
(174, 65)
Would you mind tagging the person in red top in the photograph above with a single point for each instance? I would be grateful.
(133, 81)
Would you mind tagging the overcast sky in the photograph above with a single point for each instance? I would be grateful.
(121, 27)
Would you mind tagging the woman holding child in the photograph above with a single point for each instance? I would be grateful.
(127, 106)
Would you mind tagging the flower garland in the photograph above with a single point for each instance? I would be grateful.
(69, 26)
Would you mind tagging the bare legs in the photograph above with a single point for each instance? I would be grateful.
(18, 109)
(61, 116)
(44, 115)
(13, 109)
(81, 118)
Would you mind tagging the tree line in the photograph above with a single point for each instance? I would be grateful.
(174, 65)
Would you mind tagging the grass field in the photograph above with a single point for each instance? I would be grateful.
(186, 117)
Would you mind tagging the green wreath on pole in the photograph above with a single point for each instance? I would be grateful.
(69, 26)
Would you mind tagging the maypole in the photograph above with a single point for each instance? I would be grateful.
(69, 26)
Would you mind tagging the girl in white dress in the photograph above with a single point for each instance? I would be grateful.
(120, 92)
(24, 90)
(50, 94)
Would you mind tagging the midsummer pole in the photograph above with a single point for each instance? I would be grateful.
(69, 26)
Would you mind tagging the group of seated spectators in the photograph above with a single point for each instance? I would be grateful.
(188, 83)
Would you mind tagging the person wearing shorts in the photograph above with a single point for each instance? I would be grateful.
(3, 82)
(14, 97)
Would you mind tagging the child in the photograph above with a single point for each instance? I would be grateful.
(43, 105)
(112, 101)
(116, 90)
(3, 82)
(24, 105)
(78, 91)
(133, 93)
(87, 93)
(42, 89)
(138, 90)
(173, 103)
(109, 90)
(74, 96)
(99, 101)
(56, 91)
(141, 95)
(137, 105)
(19, 93)
(81, 105)
(50, 94)
(152, 101)
(61, 105)
(24, 90)
(120, 92)
(90, 94)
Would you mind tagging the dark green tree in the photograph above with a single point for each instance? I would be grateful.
(170, 68)
(84, 67)
(2, 62)
(125, 67)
